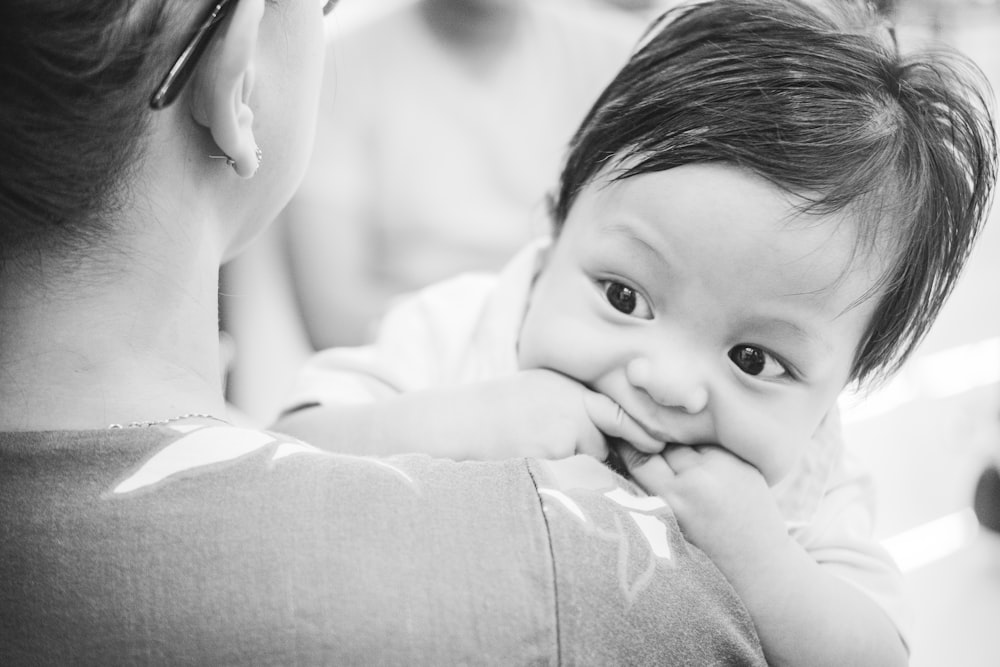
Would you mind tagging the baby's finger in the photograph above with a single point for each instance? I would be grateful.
(614, 422)
(650, 471)
(682, 458)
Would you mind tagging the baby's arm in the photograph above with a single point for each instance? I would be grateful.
(803, 614)
(535, 413)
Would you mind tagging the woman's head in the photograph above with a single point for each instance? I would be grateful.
(820, 103)
(75, 118)
(72, 114)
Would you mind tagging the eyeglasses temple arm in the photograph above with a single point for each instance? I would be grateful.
(184, 66)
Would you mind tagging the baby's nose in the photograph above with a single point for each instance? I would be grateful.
(671, 383)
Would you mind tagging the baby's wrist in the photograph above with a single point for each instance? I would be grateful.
(770, 573)
(758, 560)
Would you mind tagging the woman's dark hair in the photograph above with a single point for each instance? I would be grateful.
(818, 101)
(76, 76)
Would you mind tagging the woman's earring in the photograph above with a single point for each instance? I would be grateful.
(230, 162)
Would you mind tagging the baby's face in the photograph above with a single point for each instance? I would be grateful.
(707, 307)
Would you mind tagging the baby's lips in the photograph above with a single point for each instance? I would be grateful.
(682, 430)
(661, 434)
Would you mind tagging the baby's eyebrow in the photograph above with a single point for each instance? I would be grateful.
(617, 230)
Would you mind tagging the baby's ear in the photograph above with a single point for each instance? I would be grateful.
(223, 82)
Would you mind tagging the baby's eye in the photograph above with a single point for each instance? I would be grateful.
(626, 300)
(753, 360)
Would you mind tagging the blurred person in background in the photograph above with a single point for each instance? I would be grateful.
(447, 124)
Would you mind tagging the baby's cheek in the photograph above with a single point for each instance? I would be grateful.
(771, 443)
(548, 347)
(541, 350)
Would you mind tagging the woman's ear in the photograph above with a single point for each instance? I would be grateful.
(222, 85)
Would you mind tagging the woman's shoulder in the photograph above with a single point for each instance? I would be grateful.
(353, 557)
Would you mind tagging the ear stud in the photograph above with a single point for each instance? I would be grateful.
(230, 162)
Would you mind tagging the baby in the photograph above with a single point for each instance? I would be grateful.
(767, 204)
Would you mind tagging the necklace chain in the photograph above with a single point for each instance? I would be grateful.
(161, 422)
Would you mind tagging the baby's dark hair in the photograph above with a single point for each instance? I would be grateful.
(817, 100)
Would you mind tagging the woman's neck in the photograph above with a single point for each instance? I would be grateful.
(83, 349)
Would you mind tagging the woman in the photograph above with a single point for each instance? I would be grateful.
(138, 526)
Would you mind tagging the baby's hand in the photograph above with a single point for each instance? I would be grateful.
(544, 414)
(722, 503)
